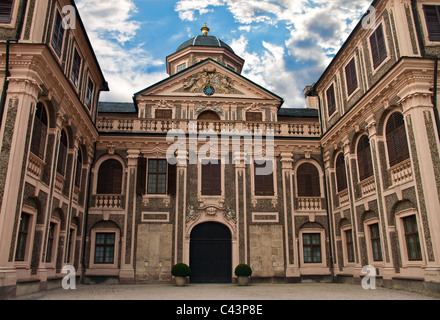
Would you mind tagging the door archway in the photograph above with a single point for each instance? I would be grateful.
(210, 253)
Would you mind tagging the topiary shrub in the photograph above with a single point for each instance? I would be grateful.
(243, 270)
(180, 270)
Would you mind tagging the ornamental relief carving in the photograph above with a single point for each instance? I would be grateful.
(224, 215)
(221, 83)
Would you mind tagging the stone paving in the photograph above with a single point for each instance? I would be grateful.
(298, 291)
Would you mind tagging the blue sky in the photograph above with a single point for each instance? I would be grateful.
(286, 44)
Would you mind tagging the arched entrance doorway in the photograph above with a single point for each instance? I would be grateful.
(210, 253)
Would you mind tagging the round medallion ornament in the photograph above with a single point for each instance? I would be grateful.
(209, 90)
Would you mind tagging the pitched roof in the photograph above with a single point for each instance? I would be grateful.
(116, 107)
(204, 41)
(298, 112)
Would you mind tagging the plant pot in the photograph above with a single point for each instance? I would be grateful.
(180, 281)
(243, 281)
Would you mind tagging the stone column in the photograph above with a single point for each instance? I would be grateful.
(291, 242)
(424, 146)
(388, 269)
(126, 274)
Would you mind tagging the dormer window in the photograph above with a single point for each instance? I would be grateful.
(181, 67)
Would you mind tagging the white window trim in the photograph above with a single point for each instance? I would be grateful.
(26, 263)
(92, 264)
(367, 231)
(402, 241)
(420, 4)
(14, 16)
(312, 265)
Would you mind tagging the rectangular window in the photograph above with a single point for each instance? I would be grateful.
(163, 114)
(312, 247)
(181, 67)
(22, 238)
(351, 77)
(349, 245)
(89, 93)
(70, 245)
(412, 238)
(263, 183)
(212, 179)
(331, 100)
(105, 248)
(254, 116)
(57, 34)
(6, 7)
(375, 242)
(76, 66)
(157, 176)
(378, 47)
(432, 18)
(50, 242)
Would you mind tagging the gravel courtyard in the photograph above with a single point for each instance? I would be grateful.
(299, 291)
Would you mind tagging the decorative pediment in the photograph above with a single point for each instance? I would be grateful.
(209, 81)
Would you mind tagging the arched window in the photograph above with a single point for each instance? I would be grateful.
(396, 139)
(62, 154)
(110, 177)
(341, 178)
(78, 168)
(208, 115)
(308, 181)
(39, 131)
(364, 158)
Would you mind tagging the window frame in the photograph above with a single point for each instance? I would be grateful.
(204, 188)
(11, 19)
(401, 131)
(22, 245)
(116, 253)
(364, 160)
(426, 24)
(375, 241)
(252, 115)
(375, 68)
(311, 245)
(156, 173)
(412, 234)
(353, 66)
(180, 67)
(349, 247)
(335, 106)
(318, 176)
(99, 166)
(52, 242)
(88, 101)
(337, 178)
(41, 144)
(76, 82)
(62, 164)
(52, 34)
(260, 193)
(406, 262)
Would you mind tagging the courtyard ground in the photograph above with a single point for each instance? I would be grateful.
(227, 292)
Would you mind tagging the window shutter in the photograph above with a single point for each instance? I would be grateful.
(211, 179)
(254, 116)
(163, 114)
(57, 34)
(5, 11)
(172, 179)
(263, 184)
(397, 143)
(378, 47)
(110, 177)
(432, 18)
(364, 158)
(350, 74)
(308, 181)
(341, 178)
(141, 175)
(331, 102)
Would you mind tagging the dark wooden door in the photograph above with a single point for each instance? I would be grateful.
(210, 254)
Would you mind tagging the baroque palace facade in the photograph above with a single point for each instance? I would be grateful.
(207, 168)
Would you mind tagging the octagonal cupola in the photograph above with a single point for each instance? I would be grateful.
(202, 47)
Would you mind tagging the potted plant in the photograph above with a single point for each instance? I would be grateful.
(243, 272)
(180, 271)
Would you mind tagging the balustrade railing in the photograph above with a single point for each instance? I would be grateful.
(163, 126)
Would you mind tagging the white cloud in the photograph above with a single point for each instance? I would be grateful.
(110, 26)
(317, 28)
